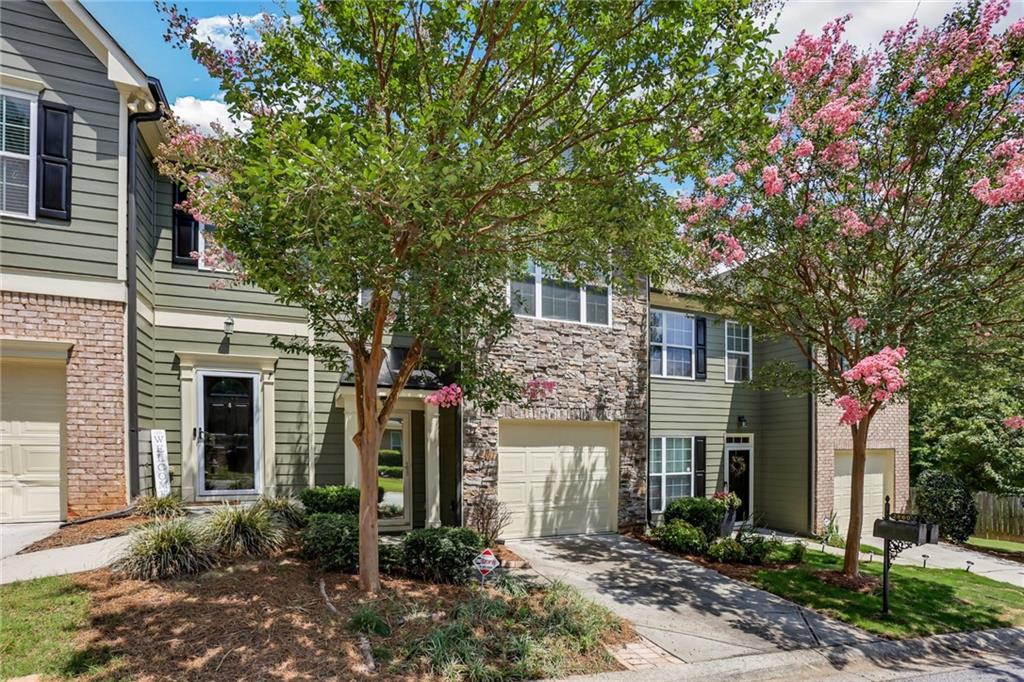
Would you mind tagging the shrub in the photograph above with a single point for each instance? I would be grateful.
(832, 536)
(727, 551)
(284, 509)
(797, 552)
(367, 621)
(332, 540)
(700, 512)
(390, 458)
(166, 549)
(331, 499)
(489, 517)
(730, 500)
(680, 536)
(159, 507)
(236, 529)
(943, 499)
(390, 557)
(442, 555)
(390, 472)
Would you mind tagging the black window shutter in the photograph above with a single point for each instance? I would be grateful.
(55, 131)
(185, 235)
(701, 347)
(700, 456)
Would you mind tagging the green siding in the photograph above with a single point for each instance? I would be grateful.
(330, 430)
(35, 44)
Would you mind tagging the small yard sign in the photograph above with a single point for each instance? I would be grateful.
(486, 562)
(161, 470)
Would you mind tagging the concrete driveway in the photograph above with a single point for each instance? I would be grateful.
(692, 612)
(15, 537)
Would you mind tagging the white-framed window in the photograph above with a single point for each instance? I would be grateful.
(670, 474)
(739, 352)
(18, 154)
(540, 295)
(672, 343)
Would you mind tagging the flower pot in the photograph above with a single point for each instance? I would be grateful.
(727, 523)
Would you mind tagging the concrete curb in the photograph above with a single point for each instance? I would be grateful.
(890, 657)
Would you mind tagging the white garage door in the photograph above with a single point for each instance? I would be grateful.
(558, 478)
(31, 420)
(878, 482)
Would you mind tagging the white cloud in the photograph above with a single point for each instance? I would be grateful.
(871, 18)
(203, 112)
(216, 30)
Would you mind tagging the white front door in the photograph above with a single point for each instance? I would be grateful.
(228, 432)
(31, 440)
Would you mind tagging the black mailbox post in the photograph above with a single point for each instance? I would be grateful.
(899, 531)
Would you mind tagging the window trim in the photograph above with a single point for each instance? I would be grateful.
(748, 445)
(665, 346)
(538, 294)
(663, 476)
(749, 353)
(33, 150)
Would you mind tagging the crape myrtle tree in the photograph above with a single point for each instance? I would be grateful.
(881, 216)
(399, 161)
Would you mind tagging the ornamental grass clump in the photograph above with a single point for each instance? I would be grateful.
(170, 548)
(285, 510)
(159, 507)
(239, 530)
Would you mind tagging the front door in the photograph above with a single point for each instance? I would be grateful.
(227, 440)
(739, 479)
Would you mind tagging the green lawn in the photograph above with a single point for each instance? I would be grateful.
(40, 618)
(1007, 546)
(923, 601)
(391, 485)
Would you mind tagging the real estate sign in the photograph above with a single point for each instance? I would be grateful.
(161, 469)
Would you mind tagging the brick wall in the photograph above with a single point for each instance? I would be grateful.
(601, 375)
(94, 448)
(890, 429)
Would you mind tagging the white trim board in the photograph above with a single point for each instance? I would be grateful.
(215, 322)
(95, 289)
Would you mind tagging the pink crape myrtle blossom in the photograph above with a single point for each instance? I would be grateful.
(877, 375)
(801, 220)
(539, 389)
(773, 184)
(446, 396)
(857, 324)
(729, 251)
(1016, 422)
(803, 148)
(850, 224)
(853, 410)
(723, 180)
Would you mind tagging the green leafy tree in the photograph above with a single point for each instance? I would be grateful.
(882, 217)
(401, 160)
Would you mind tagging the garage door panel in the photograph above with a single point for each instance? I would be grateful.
(555, 477)
(878, 482)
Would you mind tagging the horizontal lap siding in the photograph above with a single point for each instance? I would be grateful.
(710, 407)
(781, 484)
(290, 389)
(147, 398)
(330, 430)
(35, 44)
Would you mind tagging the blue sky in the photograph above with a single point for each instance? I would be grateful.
(138, 27)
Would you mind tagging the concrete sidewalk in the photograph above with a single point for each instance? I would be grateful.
(692, 612)
(956, 656)
(15, 537)
(62, 560)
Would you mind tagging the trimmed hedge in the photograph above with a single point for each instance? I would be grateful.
(332, 540)
(330, 499)
(727, 551)
(680, 536)
(944, 499)
(389, 458)
(442, 555)
(390, 472)
(703, 513)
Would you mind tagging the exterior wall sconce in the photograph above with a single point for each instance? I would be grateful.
(742, 421)
(229, 326)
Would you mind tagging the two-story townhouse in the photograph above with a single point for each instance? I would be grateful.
(787, 457)
(113, 328)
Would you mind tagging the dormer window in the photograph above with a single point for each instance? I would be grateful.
(540, 295)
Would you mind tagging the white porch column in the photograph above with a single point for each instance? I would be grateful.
(351, 451)
(432, 468)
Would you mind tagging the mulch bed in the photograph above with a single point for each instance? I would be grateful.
(90, 531)
(1012, 556)
(508, 558)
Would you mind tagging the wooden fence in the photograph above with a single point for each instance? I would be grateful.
(999, 516)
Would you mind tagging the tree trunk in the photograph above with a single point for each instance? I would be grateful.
(851, 558)
(368, 443)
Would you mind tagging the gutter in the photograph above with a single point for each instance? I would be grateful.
(132, 358)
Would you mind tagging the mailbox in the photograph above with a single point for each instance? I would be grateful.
(910, 532)
(900, 531)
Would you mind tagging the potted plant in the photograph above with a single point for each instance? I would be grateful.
(729, 502)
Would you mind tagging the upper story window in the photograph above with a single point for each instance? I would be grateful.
(537, 294)
(186, 233)
(17, 154)
(672, 344)
(739, 359)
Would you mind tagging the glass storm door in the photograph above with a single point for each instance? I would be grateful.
(226, 439)
(393, 479)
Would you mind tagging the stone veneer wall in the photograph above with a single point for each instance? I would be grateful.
(890, 429)
(94, 447)
(601, 374)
